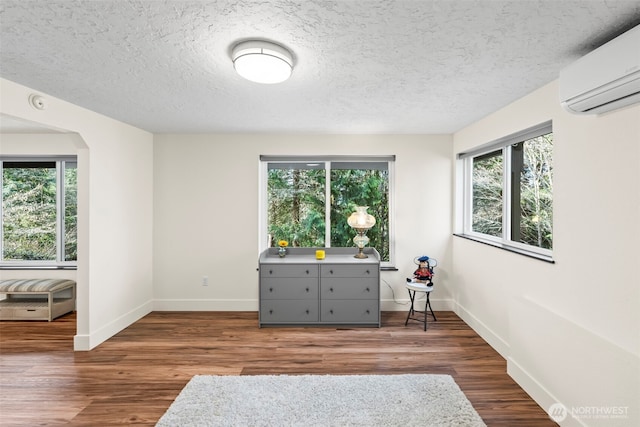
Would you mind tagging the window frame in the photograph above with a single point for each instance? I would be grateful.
(59, 262)
(465, 197)
(326, 160)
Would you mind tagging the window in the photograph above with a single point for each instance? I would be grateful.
(508, 192)
(487, 194)
(308, 201)
(39, 212)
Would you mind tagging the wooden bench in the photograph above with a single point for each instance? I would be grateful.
(36, 299)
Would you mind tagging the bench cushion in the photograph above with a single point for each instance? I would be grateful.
(34, 285)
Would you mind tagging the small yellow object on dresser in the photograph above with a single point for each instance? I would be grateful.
(319, 254)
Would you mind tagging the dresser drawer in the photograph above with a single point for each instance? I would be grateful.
(28, 309)
(353, 311)
(289, 288)
(289, 270)
(288, 311)
(349, 288)
(349, 270)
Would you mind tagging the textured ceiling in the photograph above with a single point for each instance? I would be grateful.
(360, 66)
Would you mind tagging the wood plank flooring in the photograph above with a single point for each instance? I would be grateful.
(133, 377)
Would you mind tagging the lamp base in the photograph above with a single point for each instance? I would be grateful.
(361, 254)
(361, 241)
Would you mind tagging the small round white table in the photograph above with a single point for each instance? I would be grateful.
(414, 287)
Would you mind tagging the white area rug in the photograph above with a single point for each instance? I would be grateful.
(321, 400)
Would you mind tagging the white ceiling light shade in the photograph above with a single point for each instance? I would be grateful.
(262, 62)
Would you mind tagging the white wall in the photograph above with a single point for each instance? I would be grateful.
(115, 186)
(569, 330)
(206, 212)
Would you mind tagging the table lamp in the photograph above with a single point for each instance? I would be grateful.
(361, 221)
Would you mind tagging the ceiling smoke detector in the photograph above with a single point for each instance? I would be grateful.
(37, 101)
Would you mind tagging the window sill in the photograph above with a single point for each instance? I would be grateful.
(37, 267)
(541, 257)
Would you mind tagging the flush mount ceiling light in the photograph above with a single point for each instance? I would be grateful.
(262, 62)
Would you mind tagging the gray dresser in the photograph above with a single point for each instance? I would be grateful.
(338, 290)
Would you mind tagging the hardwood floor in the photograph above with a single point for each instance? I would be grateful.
(133, 377)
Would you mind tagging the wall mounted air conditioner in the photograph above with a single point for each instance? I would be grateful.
(605, 79)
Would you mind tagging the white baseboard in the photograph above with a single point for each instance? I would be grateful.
(205, 305)
(81, 343)
(493, 339)
(403, 304)
(252, 305)
(568, 368)
(86, 342)
(538, 393)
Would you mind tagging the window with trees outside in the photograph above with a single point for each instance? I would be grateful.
(508, 192)
(308, 201)
(38, 211)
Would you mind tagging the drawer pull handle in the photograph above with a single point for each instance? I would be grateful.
(307, 289)
(270, 271)
(330, 271)
(368, 289)
(331, 311)
(307, 271)
(270, 311)
(330, 289)
(307, 311)
(367, 272)
(368, 312)
(270, 289)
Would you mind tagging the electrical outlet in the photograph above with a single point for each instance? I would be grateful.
(205, 280)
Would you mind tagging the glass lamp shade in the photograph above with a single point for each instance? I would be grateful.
(360, 219)
(262, 62)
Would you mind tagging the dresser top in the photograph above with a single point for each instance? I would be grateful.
(308, 256)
